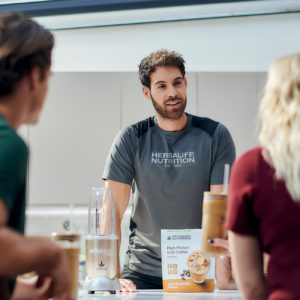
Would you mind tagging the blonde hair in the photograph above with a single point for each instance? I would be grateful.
(280, 116)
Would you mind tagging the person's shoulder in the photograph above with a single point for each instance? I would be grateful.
(250, 156)
(214, 129)
(206, 124)
(248, 163)
(11, 143)
(141, 127)
(132, 133)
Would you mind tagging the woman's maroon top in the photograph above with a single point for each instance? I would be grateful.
(260, 205)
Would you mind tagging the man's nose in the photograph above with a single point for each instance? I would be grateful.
(172, 92)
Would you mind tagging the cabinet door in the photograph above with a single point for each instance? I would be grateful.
(70, 143)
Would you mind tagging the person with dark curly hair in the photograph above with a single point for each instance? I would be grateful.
(25, 61)
(170, 159)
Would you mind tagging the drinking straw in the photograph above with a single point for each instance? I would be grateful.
(71, 208)
(226, 177)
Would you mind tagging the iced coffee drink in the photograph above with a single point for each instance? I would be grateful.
(213, 221)
(70, 245)
(198, 265)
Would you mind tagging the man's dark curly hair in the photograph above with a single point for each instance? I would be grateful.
(23, 44)
(160, 58)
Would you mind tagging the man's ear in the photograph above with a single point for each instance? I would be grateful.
(146, 92)
(185, 81)
(34, 77)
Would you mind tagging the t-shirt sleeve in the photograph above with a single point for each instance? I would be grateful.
(223, 151)
(13, 166)
(240, 213)
(121, 158)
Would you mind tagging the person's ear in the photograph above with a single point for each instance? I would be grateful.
(185, 81)
(146, 92)
(34, 77)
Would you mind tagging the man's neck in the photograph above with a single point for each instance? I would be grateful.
(172, 125)
(13, 108)
(11, 118)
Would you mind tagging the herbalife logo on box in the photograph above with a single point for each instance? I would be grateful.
(175, 237)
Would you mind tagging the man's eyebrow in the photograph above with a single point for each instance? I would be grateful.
(161, 81)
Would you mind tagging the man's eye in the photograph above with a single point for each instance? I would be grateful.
(162, 86)
(177, 82)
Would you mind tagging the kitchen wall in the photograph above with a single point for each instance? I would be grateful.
(85, 110)
(95, 91)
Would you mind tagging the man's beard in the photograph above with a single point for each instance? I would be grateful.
(174, 114)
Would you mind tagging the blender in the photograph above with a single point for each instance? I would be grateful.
(101, 243)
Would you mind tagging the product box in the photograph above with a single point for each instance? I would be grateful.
(184, 267)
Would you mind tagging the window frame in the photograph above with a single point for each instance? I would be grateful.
(64, 7)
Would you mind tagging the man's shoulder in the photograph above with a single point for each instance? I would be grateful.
(13, 153)
(206, 124)
(141, 127)
(11, 142)
(134, 131)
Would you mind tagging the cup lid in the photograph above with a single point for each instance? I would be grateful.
(66, 236)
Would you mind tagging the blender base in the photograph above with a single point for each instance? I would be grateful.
(101, 284)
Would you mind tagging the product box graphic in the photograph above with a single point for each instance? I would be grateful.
(184, 267)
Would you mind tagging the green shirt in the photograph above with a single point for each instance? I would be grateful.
(13, 169)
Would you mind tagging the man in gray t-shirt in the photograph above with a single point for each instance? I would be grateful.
(170, 160)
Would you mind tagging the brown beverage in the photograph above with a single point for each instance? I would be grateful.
(101, 256)
(73, 258)
(198, 265)
(213, 221)
(70, 244)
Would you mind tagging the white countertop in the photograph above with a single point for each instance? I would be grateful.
(160, 295)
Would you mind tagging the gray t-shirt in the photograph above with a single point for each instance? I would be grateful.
(169, 172)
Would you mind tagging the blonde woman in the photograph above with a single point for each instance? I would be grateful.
(264, 193)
